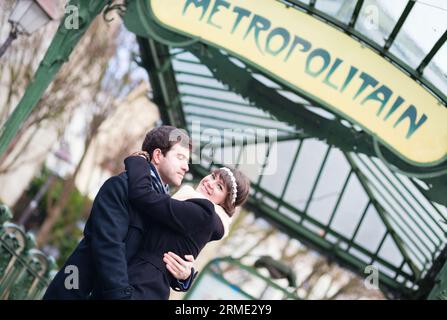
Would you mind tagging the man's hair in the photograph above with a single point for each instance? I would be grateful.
(164, 138)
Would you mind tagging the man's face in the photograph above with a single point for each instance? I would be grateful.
(174, 165)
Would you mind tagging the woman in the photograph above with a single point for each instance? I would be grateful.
(183, 225)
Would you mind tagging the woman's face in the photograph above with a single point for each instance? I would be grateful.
(213, 188)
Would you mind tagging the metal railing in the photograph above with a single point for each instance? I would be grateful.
(25, 272)
(246, 283)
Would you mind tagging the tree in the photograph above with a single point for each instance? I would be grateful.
(74, 86)
(90, 81)
(115, 79)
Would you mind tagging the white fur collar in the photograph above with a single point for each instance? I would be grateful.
(187, 192)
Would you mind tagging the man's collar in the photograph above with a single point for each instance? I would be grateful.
(155, 171)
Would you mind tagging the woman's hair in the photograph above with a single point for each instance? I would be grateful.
(243, 188)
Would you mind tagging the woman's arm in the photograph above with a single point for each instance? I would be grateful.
(183, 216)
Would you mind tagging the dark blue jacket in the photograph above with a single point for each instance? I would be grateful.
(112, 236)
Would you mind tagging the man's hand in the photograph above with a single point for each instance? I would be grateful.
(179, 268)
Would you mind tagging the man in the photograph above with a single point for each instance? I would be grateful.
(98, 267)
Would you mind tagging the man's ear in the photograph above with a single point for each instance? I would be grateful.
(156, 156)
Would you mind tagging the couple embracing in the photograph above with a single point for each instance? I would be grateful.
(139, 241)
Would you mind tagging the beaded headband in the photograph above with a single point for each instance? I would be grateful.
(233, 183)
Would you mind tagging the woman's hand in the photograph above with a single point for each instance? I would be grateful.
(179, 268)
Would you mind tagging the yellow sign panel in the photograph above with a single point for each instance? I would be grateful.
(322, 63)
